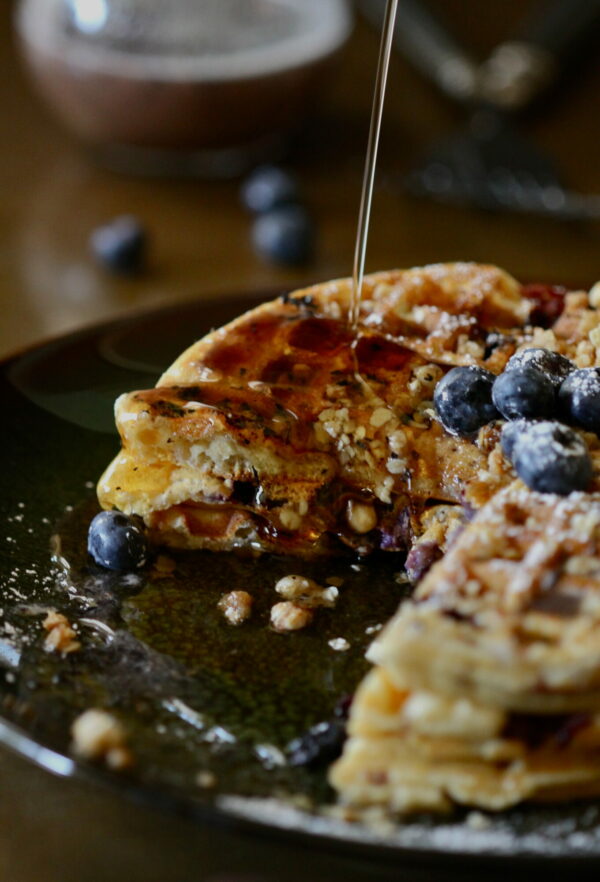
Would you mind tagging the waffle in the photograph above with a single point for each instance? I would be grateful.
(415, 751)
(486, 685)
(284, 432)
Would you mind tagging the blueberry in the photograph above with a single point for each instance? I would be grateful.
(463, 400)
(552, 458)
(284, 235)
(420, 559)
(321, 745)
(579, 398)
(510, 433)
(524, 392)
(120, 246)
(268, 187)
(553, 365)
(117, 542)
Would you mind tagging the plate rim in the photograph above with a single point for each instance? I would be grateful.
(17, 740)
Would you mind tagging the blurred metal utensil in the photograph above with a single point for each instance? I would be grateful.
(488, 163)
(491, 166)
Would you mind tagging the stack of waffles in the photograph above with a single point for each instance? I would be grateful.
(486, 685)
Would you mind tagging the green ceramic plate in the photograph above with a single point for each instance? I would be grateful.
(195, 694)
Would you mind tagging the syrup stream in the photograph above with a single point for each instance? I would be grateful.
(366, 199)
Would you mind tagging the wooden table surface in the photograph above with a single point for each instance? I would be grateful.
(52, 197)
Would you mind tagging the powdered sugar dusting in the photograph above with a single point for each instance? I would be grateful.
(566, 834)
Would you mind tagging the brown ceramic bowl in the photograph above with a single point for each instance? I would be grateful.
(137, 81)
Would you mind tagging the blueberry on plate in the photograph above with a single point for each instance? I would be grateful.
(321, 745)
(120, 246)
(463, 400)
(268, 187)
(579, 398)
(552, 364)
(117, 542)
(524, 392)
(510, 433)
(552, 458)
(284, 235)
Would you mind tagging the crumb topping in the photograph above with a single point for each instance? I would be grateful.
(339, 644)
(288, 616)
(236, 606)
(61, 636)
(305, 592)
(98, 735)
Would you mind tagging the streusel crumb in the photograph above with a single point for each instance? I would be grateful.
(288, 616)
(306, 592)
(236, 606)
(97, 735)
(60, 637)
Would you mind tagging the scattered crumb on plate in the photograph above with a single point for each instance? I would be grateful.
(236, 606)
(340, 644)
(60, 637)
(287, 616)
(97, 735)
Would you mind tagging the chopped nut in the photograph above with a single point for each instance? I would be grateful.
(594, 336)
(361, 516)
(582, 565)
(163, 566)
(119, 758)
(61, 636)
(397, 441)
(206, 780)
(333, 309)
(380, 416)
(478, 821)
(425, 378)
(340, 644)
(290, 519)
(396, 466)
(594, 295)
(97, 735)
(287, 616)
(236, 606)
(383, 490)
(585, 354)
(468, 348)
(306, 592)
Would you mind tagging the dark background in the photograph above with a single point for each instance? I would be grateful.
(52, 196)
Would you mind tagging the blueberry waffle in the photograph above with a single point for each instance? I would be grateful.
(284, 432)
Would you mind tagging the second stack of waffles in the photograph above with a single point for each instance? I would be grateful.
(485, 685)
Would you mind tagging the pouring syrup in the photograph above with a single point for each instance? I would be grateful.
(366, 199)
